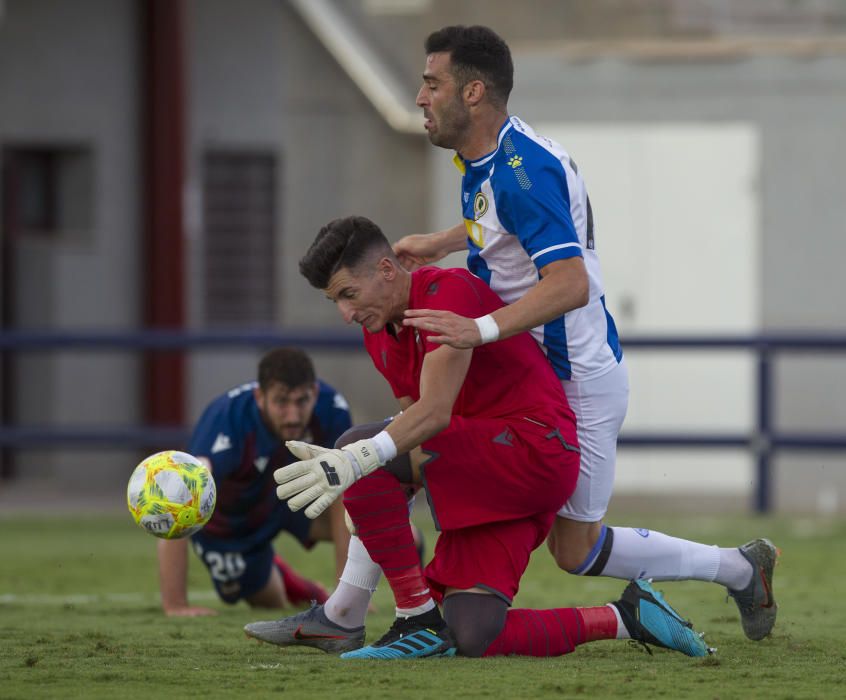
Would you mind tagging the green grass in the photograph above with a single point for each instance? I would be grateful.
(111, 639)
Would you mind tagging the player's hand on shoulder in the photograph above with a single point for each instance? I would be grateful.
(189, 611)
(445, 327)
(416, 250)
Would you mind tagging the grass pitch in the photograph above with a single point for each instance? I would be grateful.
(79, 618)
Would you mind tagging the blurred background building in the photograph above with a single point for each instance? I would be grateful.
(165, 163)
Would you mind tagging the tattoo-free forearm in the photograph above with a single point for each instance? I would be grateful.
(173, 573)
(564, 287)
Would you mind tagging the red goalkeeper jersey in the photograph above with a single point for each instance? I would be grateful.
(509, 378)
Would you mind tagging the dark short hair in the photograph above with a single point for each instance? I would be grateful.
(288, 366)
(476, 53)
(342, 243)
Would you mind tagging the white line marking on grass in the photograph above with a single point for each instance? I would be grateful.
(93, 599)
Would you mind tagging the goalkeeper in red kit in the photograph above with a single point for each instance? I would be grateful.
(490, 435)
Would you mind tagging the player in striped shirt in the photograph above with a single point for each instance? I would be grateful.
(529, 231)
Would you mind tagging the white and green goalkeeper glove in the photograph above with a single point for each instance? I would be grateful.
(323, 474)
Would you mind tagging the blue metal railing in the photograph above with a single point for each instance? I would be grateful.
(763, 441)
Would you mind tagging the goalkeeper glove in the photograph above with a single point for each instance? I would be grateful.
(322, 474)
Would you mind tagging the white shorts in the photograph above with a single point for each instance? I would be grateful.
(600, 406)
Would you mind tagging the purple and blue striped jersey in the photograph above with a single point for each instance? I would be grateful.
(244, 454)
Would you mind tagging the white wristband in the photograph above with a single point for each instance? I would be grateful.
(487, 328)
(385, 446)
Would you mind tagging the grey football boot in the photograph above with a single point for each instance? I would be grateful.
(756, 602)
(310, 628)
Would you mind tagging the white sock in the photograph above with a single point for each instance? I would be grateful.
(735, 571)
(639, 553)
(419, 610)
(622, 632)
(347, 606)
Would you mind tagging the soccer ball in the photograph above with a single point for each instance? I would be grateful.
(171, 494)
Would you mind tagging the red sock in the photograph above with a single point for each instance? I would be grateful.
(599, 623)
(552, 632)
(377, 506)
(299, 589)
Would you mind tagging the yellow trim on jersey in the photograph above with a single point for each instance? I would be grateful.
(475, 232)
(456, 159)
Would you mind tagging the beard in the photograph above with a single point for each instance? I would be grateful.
(453, 124)
(291, 432)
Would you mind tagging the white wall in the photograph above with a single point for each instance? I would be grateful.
(676, 210)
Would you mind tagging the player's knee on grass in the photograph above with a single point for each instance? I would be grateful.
(475, 619)
(399, 466)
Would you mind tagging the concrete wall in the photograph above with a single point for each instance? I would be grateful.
(798, 107)
(260, 79)
(68, 76)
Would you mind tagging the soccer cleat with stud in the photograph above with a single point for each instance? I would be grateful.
(756, 602)
(415, 637)
(649, 619)
(310, 628)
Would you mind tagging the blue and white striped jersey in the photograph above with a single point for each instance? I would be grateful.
(524, 206)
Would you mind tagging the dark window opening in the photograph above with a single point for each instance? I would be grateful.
(48, 189)
(239, 221)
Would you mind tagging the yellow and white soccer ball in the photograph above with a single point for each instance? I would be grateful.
(171, 494)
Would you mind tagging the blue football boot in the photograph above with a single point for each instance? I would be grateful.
(415, 637)
(649, 619)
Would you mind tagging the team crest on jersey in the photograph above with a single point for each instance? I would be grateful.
(480, 206)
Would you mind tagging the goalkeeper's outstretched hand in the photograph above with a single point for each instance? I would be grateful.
(323, 474)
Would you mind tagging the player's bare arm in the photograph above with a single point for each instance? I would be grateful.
(563, 287)
(420, 249)
(173, 576)
(173, 580)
